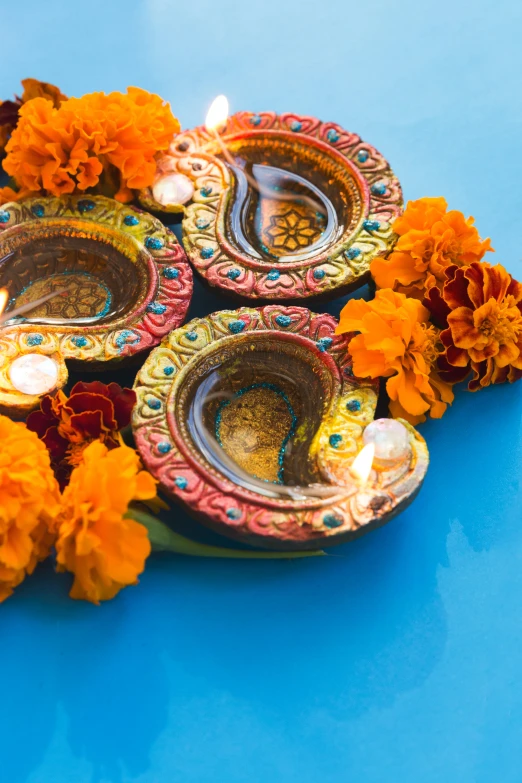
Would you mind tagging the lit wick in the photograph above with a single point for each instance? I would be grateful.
(361, 467)
(4, 296)
(216, 118)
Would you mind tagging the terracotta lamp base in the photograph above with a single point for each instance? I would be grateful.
(279, 207)
(252, 418)
(121, 282)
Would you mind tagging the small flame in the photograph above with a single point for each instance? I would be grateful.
(362, 465)
(4, 296)
(217, 114)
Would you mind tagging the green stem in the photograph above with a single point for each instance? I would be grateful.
(162, 538)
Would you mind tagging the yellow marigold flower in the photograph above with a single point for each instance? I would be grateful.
(29, 503)
(104, 550)
(431, 239)
(66, 149)
(397, 342)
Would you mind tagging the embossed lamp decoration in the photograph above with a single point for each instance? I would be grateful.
(253, 420)
(96, 282)
(279, 207)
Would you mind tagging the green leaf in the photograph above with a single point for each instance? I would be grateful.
(162, 538)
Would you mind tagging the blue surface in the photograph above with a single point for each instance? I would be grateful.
(398, 657)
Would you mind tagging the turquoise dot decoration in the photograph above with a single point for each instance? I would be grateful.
(192, 336)
(274, 274)
(206, 252)
(255, 119)
(233, 274)
(335, 440)
(296, 126)
(332, 520)
(324, 343)
(4, 216)
(38, 210)
(319, 274)
(131, 220)
(353, 406)
(153, 243)
(164, 447)
(156, 308)
(35, 339)
(154, 404)
(283, 320)
(206, 191)
(79, 342)
(233, 513)
(85, 205)
(201, 223)
(126, 337)
(236, 326)
(379, 189)
(181, 482)
(362, 156)
(353, 253)
(332, 136)
(168, 370)
(170, 272)
(371, 225)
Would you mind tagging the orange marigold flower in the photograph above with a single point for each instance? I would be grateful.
(8, 194)
(67, 149)
(430, 240)
(96, 542)
(397, 342)
(9, 109)
(93, 411)
(29, 504)
(481, 306)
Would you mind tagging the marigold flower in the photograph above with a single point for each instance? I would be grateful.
(66, 150)
(430, 240)
(9, 109)
(397, 342)
(96, 542)
(29, 504)
(481, 306)
(68, 424)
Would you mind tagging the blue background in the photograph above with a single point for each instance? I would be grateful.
(398, 657)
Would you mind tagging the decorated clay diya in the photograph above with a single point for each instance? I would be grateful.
(252, 419)
(280, 207)
(121, 282)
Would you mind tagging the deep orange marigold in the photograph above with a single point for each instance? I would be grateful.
(397, 342)
(430, 240)
(9, 109)
(67, 149)
(481, 306)
(96, 542)
(29, 504)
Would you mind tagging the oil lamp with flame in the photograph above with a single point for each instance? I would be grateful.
(277, 207)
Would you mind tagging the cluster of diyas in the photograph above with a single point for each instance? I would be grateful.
(252, 418)
(120, 282)
(279, 207)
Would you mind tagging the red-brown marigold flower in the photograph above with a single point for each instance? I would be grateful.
(93, 411)
(481, 305)
(431, 239)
